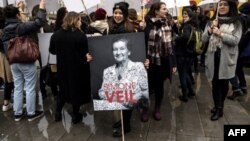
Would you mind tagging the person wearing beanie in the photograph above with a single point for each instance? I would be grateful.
(119, 24)
(100, 14)
(100, 23)
(122, 7)
(223, 33)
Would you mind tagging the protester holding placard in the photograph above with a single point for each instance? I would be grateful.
(160, 53)
(119, 24)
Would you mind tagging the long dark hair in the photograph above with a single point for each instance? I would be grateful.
(233, 12)
(61, 12)
(154, 7)
(2, 18)
(193, 17)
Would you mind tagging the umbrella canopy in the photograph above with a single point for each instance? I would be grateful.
(204, 2)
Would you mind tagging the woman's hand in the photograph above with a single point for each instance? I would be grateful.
(146, 63)
(215, 23)
(216, 31)
(89, 57)
(142, 25)
(210, 31)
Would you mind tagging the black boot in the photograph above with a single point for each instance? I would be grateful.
(118, 131)
(218, 114)
(116, 125)
(213, 110)
(235, 95)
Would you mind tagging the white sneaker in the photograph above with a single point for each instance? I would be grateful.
(7, 107)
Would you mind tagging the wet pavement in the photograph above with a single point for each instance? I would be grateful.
(180, 121)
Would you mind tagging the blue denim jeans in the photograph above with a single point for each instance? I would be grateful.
(239, 82)
(24, 74)
(184, 66)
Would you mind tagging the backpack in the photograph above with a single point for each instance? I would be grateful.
(196, 36)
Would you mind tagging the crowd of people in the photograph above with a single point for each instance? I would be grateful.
(170, 47)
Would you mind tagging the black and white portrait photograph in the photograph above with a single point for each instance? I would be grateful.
(118, 76)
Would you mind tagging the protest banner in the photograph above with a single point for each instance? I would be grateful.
(44, 42)
(118, 77)
(3, 3)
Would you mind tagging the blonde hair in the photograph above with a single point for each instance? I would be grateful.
(71, 20)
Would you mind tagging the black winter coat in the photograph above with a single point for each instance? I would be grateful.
(181, 41)
(24, 28)
(71, 47)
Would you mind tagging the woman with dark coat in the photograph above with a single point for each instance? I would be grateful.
(185, 45)
(158, 34)
(71, 47)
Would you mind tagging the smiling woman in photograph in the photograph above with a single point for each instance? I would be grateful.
(125, 77)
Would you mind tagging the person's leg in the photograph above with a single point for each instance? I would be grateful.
(152, 86)
(8, 90)
(127, 114)
(189, 79)
(77, 117)
(217, 89)
(159, 88)
(195, 60)
(18, 91)
(241, 75)
(42, 80)
(235, 87)
(7, 96)
(235, 84)
(224, 90)
(30, 75)
(159, 92)
(54, 84)
(182, 72)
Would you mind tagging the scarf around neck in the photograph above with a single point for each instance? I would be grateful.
(225, 27)
(160, 40)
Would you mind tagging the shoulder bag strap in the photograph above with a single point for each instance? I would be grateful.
(191, 35)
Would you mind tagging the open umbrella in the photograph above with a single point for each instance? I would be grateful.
(204, 2)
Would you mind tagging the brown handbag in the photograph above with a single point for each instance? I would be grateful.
(22, 49)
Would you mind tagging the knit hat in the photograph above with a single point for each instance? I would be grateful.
(245, 8)
(100, 14)
(123, 7)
